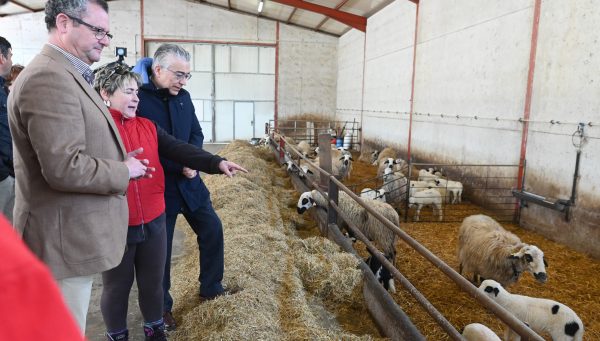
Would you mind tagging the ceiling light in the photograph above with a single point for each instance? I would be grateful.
(260, 6)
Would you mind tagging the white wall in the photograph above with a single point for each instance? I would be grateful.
(307, 59)
(472, 59)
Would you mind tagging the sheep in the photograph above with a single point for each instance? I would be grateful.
(397, 165)
(374, 156)
(541, 315)
(427, 175)
(479, 332)
(486, 249)
(382, 274)
(304, 148)
(373, 194)
(370, 226)
(417, 186)
(384, 154)
(394, 185)
(453, 187)
(342, 166)
(429, 197)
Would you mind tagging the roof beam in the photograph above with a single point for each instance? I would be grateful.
(291, 15)
(356, 21)
(24, 6)
(340, 5)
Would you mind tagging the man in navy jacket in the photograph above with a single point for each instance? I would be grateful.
(163, 100)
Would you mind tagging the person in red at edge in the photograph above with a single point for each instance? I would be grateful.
(32, 307)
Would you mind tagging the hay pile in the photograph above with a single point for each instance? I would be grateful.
(572, 276)
(290, 286)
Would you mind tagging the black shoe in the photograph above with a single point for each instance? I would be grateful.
(170, 323)
(156, 333)
(226, 292)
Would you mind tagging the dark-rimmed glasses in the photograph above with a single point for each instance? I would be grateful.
(98, 32)
(181, 75)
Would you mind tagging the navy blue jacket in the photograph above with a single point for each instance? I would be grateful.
(177, 116)
(6, 155)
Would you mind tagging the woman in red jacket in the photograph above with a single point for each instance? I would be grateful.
(146, 238)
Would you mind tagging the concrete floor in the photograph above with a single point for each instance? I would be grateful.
(95, 324)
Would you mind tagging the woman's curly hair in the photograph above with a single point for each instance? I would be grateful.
(111, 77)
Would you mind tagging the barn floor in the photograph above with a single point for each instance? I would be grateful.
(288, 294)
(572, 276)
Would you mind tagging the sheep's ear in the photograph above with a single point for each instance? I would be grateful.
(312, 201)
(513, 256)
(351, 159)
(545, 263)
(341, 158)
(309, 172)
(519, 254)
(496, 291)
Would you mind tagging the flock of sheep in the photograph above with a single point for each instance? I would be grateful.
(494, 257)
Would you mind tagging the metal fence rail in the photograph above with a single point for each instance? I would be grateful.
(309, 130)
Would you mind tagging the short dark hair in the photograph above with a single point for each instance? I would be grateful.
(74, 8)
(4, 46)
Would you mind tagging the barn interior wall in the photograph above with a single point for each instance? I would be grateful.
(307, 59)
(472, 60)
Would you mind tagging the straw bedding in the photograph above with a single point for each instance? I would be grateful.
(292, 288)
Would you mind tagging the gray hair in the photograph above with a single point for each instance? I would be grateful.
(167, 50)
(74, 8)
(113, 76)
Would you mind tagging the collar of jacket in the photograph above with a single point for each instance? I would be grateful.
(116, 114)
(163, 93)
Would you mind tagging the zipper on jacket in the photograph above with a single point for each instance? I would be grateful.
(135, 182)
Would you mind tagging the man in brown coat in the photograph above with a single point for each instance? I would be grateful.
(71, 168)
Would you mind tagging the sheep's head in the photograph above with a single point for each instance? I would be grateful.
(380, 194)
(382, 274)
(492, 289)
(531, 259)
(346, 159)
(305, 171)
(305, 202)
(374, 155)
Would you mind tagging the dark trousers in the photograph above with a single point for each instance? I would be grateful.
(209, 232)
(144, 259)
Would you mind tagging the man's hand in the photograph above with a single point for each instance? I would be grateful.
(189, 173)
(230, 168)
(138, 168)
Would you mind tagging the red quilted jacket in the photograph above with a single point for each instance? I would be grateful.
(146, 197)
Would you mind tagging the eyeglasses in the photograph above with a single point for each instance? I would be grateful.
(181, 75)
(98, 32)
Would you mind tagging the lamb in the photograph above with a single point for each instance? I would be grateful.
(427, 175)
(394, 185)
(417, 186)
(541, 315)
(479, 332)
(370, 226)
(486, 249)
(382, 274)
(429, 197)
(453, 187)
(373, 194)
(397, 165)
(384, 154)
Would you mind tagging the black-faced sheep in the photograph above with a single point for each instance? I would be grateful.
(370, 226)
(486, 249)
(479, 332)
(541, 315)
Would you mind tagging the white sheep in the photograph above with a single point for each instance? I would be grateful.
(384, 154)
(373, 194)
(370, 226)
(429, 197)
(304, 148)
(398, 165)
(417, 186)
(342, 166)
(453, 187)
(540, 314)
(395, 186)
(479, 332)
(374, 156)
(427, 175)
(486, 249)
